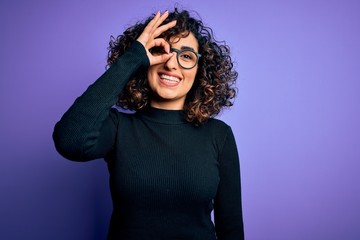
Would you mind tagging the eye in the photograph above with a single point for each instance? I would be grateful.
(157, 50)
(187, 56)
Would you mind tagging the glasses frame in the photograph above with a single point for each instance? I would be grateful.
(179, 51)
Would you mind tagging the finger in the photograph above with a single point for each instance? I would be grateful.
(164, 28)
(161, 58)
(155, 22)
(160, 42)
(148, 30)
(161, 19)
(150, 26)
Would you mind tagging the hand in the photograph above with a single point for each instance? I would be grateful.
(148, 38)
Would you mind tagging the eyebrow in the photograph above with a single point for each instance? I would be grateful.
(187, 48)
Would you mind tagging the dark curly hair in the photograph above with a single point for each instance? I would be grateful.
(214, 85)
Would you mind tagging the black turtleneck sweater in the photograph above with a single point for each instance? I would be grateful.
(166, 175)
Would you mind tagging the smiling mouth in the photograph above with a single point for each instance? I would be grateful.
(169, 80)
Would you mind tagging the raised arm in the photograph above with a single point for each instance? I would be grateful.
(77, 135)
(88, 129)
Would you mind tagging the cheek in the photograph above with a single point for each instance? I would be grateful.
(151, 75)
(150, 71)
(191, 75)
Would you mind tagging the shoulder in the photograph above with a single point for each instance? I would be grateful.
(119, 115)
(217, 129)
(220, 134)
(217, 125)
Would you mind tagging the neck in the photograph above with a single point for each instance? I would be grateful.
(168, 116)
(167, 105)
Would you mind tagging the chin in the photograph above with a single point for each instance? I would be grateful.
(167, 96)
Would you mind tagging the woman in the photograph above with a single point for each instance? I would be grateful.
(170, 163)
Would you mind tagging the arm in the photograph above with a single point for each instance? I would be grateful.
(227, 203)
(87, 131)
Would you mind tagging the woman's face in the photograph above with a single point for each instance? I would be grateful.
(168, 81)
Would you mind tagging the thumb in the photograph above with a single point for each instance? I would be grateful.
(161, 58)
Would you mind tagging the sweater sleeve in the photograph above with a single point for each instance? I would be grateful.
(227, 203)
(87, 130)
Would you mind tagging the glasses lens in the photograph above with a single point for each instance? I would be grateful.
(187, 59)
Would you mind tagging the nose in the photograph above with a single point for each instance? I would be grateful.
(172, 62)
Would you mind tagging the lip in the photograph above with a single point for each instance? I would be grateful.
(169, 83)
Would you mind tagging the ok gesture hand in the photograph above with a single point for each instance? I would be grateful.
(148, 38)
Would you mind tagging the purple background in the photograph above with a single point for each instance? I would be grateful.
(296, 119)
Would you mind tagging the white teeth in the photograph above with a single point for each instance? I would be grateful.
(170, 78)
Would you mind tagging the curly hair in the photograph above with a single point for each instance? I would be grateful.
(214, 85)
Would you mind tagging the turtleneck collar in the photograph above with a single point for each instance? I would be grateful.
(162, 115)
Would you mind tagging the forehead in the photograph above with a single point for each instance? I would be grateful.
(188, 41)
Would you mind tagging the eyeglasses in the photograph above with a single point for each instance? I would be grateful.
(187, 58)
